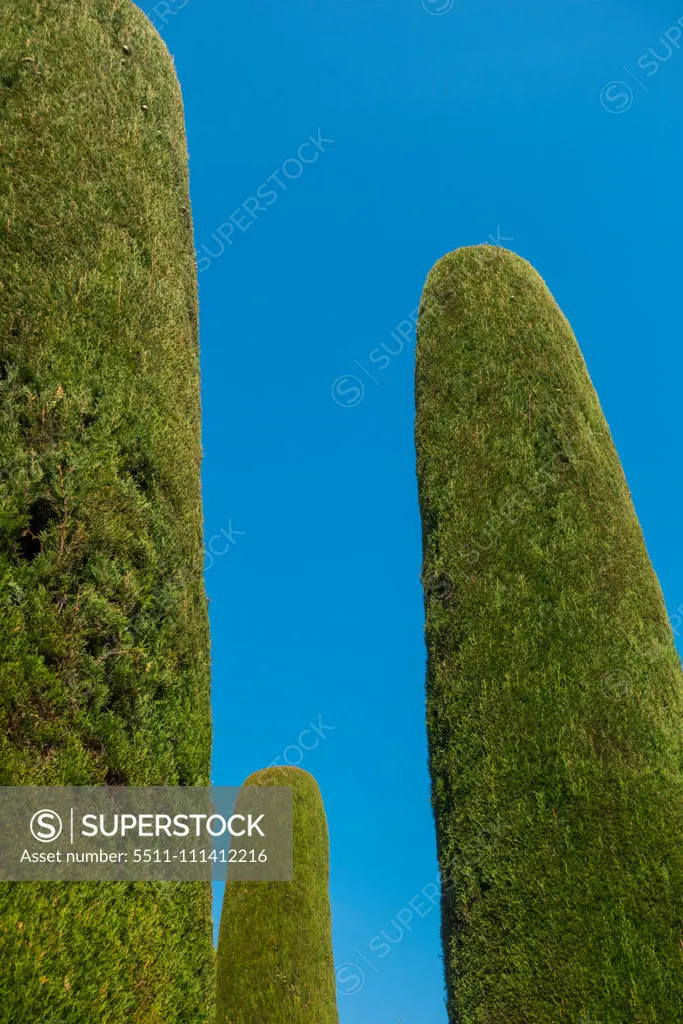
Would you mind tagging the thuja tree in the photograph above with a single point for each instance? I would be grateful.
(275, 945)
(553, 689)
(104, 662)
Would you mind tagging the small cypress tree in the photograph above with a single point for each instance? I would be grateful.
(275, 944)
(554, 691)
(104, 650)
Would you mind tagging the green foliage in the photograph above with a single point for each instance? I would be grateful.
(554, 688)
(104, 651)
(275, 944)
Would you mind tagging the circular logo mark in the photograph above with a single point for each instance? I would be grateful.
(620, 683)
(438, 6)
(350, 979)
(46, 826)
(348, 391)
(616, 97)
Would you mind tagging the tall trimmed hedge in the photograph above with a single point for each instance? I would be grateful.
(275, 959)
(104, 649)
(554, 691)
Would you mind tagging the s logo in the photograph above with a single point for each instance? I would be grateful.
(46, 826)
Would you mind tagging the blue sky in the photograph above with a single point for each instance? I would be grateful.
(452, 123)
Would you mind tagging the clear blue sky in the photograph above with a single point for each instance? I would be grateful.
(448, 128)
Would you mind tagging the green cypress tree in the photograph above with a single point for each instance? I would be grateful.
(554, 696)
(275, 944)
(104, 650)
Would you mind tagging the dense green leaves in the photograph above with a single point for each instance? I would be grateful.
(554, 688)
(275, 944)
(104, 652)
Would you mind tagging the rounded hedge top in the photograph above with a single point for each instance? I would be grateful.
(104, 646)
(275, 959)
(554, 690)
